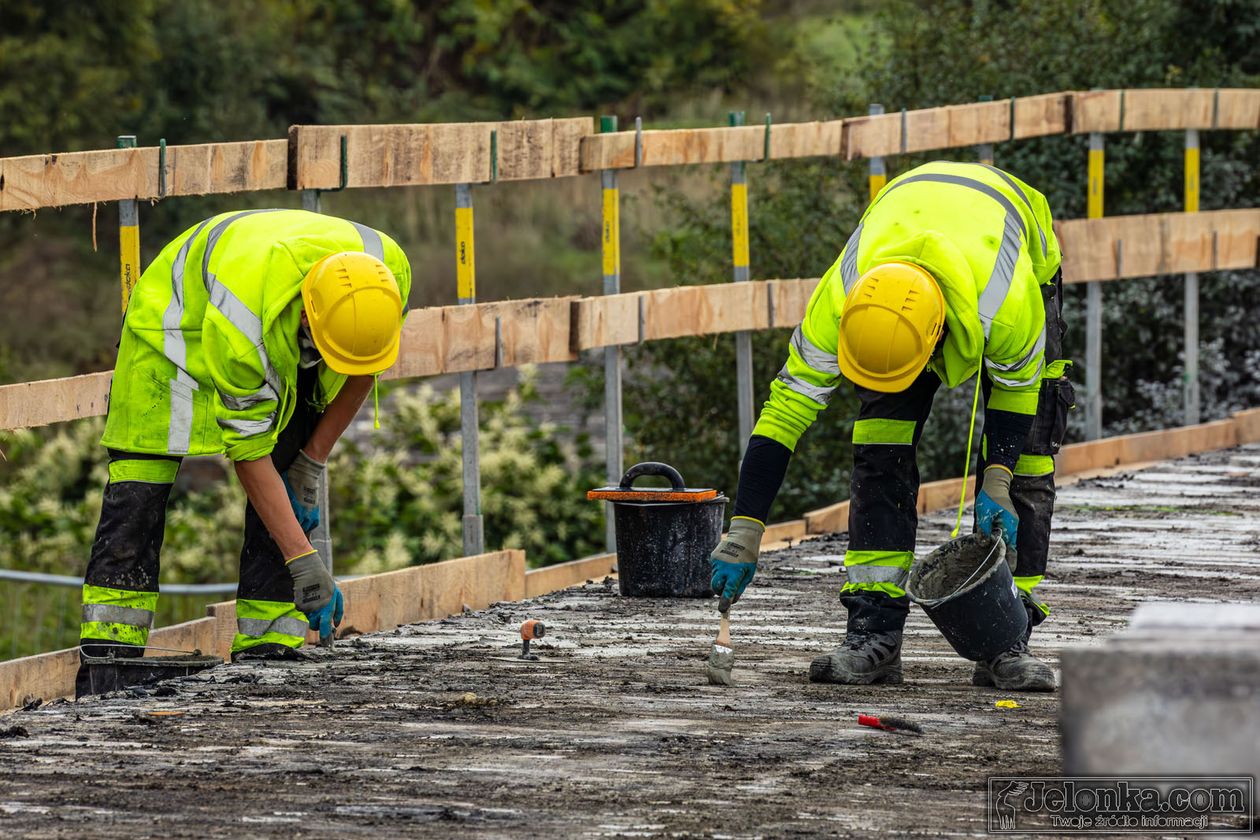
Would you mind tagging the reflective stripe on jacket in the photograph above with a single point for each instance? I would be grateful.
(987, 238)
(209, 352)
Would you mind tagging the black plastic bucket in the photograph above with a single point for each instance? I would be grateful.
(110, 673)
(966, 588)
(663, 547)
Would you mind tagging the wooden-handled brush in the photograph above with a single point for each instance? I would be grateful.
(722, 657)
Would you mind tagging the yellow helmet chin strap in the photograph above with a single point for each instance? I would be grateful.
(376, 403)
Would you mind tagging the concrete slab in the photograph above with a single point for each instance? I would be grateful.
(434, 730)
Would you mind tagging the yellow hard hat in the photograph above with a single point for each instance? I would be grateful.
(354, 311)
(892, 319)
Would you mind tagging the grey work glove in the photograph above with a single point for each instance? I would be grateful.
(301, 481)
(313, 586)
(734, 561)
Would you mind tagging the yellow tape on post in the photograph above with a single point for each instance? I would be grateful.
(465, 268)
(1095, 205)
(611, 237)
(1192, 179)
(877, 183)
(739, 224)
(129, 260)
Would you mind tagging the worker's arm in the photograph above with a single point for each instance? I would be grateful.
(337, 417)
(267, 494)
(801, 390)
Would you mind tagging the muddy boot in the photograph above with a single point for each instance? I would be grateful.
(864, 658)
(1015, 670)
(268, 651)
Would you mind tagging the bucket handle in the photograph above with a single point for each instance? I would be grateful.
(998, 542)
(653, 468)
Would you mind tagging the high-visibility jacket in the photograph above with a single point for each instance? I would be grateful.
(209, 353)
(987, 239)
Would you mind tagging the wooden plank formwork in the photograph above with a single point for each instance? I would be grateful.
(574, 573)
(420, 593)
(433, 153)
(1038, 116)
(1119, 247)
(1156, 109)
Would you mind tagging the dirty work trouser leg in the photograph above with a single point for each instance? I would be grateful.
(883, 504)
(120, 587)
(265, 613)
(1032, 488)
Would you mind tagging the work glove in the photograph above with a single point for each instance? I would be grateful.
(994, 508)
(301, 482)
(313, 585)
(327, 618)
(734, 561)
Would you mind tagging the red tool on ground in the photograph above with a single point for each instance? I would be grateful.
(530, 630)
(891, 724)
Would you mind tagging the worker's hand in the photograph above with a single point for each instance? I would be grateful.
(313, 585)
(994, 508)
(328, 618)
(301, 481)
(734, 561)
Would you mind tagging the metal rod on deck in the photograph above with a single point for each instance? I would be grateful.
(610, 250)
(739, 254)
(466, 281)
(1190, 374)
(128, 235)
(878, 175)
(1093, 302)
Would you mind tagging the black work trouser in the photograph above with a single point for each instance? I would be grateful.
(883, 500)
(124, 563)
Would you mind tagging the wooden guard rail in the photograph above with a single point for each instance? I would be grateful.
(450, 339)
(405, 155)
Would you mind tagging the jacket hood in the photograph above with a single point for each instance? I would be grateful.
(960, 357)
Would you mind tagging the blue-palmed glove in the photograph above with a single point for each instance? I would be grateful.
(994, 508)
(328, 618)
(734, 561)
(301, 482)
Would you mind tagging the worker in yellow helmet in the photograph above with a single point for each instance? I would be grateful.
(257, 334)
(952, 274)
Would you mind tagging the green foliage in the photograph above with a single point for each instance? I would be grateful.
(962, 50)
(396, 501)
(397, 498)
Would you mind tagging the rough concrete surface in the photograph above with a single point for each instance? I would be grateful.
(433, 730)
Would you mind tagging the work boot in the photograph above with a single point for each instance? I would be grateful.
(1015, 670)
(268, 651)
(864, 658)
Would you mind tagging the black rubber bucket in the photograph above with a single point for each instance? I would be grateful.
(966, 588)
(116, 673)
(663, 546)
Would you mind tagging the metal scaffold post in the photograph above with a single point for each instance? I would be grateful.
(1093, 302)
(739, 254)
(610, 251)
(128, 235)
(466, 280)
(1190, 374)
(878, 175)
(321, 537)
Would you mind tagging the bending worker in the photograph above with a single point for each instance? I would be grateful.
(257, 334)
(953, 272)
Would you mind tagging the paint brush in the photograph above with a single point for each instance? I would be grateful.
(722, 657)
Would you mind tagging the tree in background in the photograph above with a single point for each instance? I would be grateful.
(925, 55)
